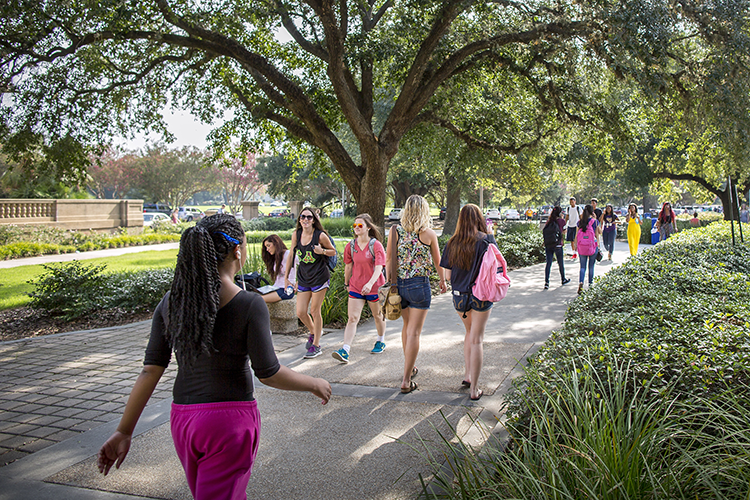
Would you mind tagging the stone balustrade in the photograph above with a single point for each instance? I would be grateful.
(96, 215)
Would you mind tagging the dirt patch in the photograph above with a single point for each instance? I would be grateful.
(25, 322)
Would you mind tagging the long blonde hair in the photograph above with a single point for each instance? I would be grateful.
(416, 216)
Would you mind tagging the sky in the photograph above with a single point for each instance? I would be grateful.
(186, 128)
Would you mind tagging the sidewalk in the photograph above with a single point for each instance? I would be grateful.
(62, 395)
(94, 254)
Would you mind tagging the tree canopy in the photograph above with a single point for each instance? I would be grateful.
(523, 70)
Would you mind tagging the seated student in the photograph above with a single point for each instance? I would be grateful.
(275, 255)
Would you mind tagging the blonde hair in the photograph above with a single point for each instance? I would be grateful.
(416, 216)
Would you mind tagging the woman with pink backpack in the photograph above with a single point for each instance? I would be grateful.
(462, 258)
(587, 232)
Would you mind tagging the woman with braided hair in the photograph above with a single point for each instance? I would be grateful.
(214, 328)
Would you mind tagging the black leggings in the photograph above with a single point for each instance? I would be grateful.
(555, 252)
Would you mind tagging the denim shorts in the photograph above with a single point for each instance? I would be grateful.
(281, 292)
(415, 292)
(459, 302)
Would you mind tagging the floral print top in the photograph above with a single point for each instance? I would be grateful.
(414, 257)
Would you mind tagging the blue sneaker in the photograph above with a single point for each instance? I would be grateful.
(309, 342)
(313, 352)
(341, 355)
(379, 347)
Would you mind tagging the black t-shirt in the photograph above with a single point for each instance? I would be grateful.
(598, 213)
(312, 268)
(242, 332)
(461, 279)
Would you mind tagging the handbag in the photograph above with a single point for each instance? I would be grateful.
(599, 255)
(390, 300)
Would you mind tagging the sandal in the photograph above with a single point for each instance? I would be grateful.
(466, 383)
(412, 387)
(414, 372)
(481, 393)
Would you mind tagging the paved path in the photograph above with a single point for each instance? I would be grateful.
(61, 396)
(94, 254)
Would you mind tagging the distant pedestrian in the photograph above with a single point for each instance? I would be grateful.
(744, 213)
(364, 259)
(666, 222)
(586, 236)
(553, 233)
(312, 247)
(417, 251)
(223, 209)
(609, 221)
(214, 329)
(462, 258)
(695, 221)
(633, 219)
(597, 211)
(175, 217)
(275, 255)
(572, 216)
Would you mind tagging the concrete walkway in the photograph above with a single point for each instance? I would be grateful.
(61, 397)
(94, 254)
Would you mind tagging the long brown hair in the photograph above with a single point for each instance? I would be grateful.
(470, 228)
(372, 230)
(316, 220)
(273, 262)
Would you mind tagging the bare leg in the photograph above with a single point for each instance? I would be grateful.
(315, 305)
(476, 356)
(354, 308)
(379, 323)
(270, 298)
(467, 343)
(413, 323)
(303, 302)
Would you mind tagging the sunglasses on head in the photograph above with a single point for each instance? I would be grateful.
(357, 224)
(308, 217)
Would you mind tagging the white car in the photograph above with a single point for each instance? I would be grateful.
(395, 214)
(492, 214)
(189, 214)
(150, 217)
(337, 214)
(512, 214)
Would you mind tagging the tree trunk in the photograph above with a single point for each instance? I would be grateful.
(452, 203)
(370, 194)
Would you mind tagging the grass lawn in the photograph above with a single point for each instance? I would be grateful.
(15, 284)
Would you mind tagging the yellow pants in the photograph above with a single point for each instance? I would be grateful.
(634, 236)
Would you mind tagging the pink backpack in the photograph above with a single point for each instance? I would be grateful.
(586, 240)
(492, 281)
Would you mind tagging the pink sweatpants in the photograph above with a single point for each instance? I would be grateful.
(217, 444)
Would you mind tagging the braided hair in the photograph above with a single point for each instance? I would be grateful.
(194, 297)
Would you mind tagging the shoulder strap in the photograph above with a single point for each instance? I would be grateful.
(372, 248)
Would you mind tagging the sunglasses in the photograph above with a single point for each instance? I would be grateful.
(355, 226)
(308, 217)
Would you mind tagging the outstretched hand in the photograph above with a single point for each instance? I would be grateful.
(113, 451)
(322, 389)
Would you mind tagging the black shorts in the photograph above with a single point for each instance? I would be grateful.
(571, 236)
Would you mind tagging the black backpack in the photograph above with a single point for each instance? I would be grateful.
(551, 234)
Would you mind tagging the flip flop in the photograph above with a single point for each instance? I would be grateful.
(466, 383)
(412, 387)
(481, 392)
(414, 372)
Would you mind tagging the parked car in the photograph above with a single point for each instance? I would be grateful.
(511, 214)
(492, 214)
(189, 214)
(337, 214)
(280, 212)
(395, 214)
(150, 217)
(442, 214)
(157, 207)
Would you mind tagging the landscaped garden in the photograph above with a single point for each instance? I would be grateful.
(643, 392)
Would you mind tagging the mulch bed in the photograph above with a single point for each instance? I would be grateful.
(25, 322)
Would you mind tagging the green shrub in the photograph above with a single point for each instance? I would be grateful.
(275, 224)
(69, 289)
(25, 249)
(679, 313)
(137, 290)
(259, 236)
(521, 243)
(341, 226)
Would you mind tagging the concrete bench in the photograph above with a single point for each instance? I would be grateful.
(283, 315)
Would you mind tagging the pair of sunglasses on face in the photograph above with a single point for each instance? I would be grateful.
(306, 217)
(357, 225)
